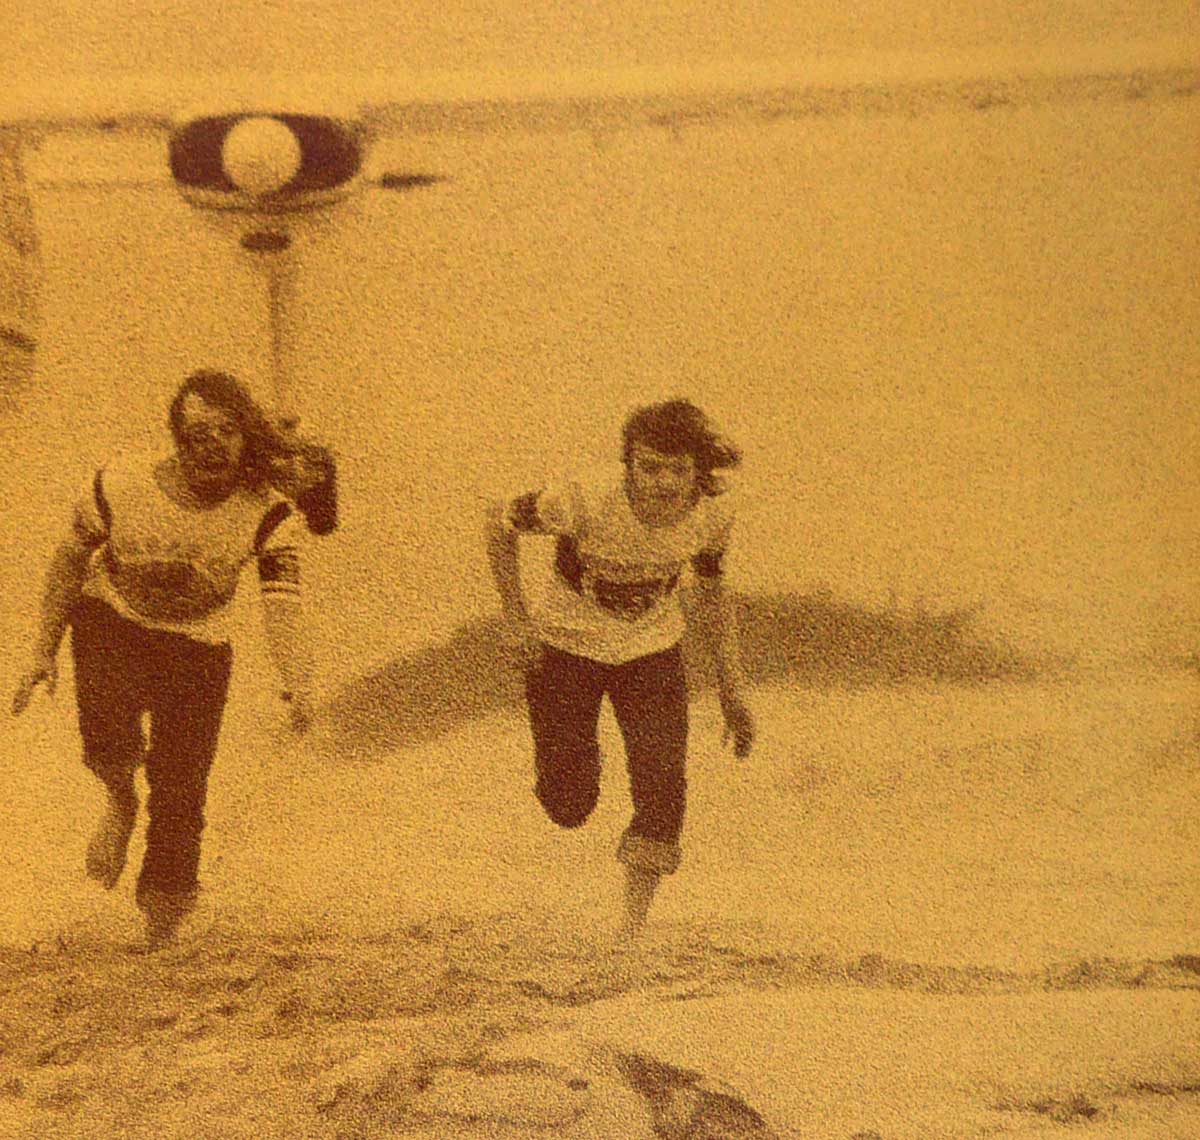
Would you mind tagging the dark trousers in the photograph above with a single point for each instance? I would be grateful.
(123, 671)
(649, 697)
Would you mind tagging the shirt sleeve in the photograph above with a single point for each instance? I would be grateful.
(91, 517)
(277, 549)
(555, 510)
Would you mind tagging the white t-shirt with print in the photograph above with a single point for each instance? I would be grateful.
(613, 592)
(172, 567)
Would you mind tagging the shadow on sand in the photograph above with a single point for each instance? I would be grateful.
(809, 640)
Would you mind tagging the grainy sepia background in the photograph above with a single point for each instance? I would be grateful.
(958, 347)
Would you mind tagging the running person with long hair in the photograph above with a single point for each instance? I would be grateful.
(144, 577)
(612, 625)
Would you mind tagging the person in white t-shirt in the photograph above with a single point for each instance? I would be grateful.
(611, 625)
(145, 578)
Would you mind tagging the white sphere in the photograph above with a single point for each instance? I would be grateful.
(261, 155)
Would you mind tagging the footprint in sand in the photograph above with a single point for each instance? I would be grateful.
(594, 971)
(513, 1094)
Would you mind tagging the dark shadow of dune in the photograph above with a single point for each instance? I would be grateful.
(810, 640)
(815, 640)
(423, 695)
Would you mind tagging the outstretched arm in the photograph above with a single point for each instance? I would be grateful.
(64, 583)
(64, 580)
(62, 587)
(286, 631)
(503, 551)
(717, 617)
(504, 557)
(285, 624)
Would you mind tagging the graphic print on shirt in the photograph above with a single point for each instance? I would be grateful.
(625, 571)
(172, 580)
(623, 589)
(171, 566)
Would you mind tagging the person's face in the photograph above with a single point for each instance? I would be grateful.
(661, 486)
(210, 445)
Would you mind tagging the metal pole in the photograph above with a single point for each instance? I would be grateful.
(273, 249)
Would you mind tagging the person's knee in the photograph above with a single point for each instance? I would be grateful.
(568, 780)
(568, 807)
(115, 749)
(180, 813)
(568, 802)
(177, 805)
(568, 818)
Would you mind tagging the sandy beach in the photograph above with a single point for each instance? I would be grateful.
(491, 1030)
(922, 943)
